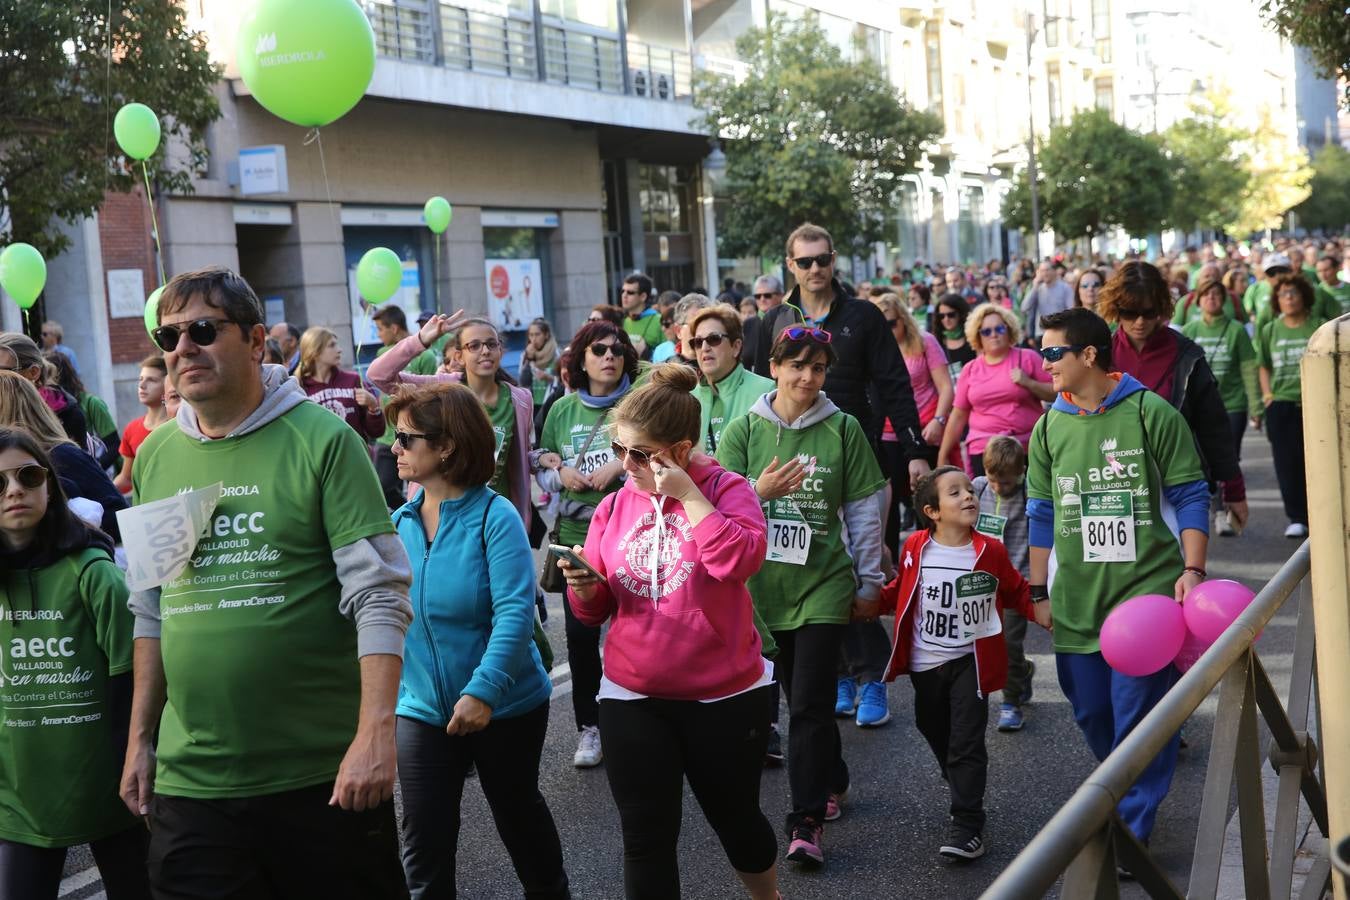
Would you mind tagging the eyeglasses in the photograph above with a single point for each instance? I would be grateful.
(823, 260)
(797, 332)
(489, 346)
(1129, 315)
(767, 295)
(640, 457)
(990, 332)
(599, 350)
(203, 333)
(29, 477)
(949, 315)
(405, 438)
(712, 340)
(1055, 354)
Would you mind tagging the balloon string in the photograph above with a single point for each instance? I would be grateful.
(315, 137)
(154, 224)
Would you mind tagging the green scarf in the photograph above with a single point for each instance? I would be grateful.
(953, 334)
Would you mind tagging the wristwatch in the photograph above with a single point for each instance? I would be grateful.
(941, 420)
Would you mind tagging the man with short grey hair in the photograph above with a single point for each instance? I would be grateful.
(768, 292)
(1049, 294)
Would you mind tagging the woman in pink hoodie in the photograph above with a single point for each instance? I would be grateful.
(685, 691)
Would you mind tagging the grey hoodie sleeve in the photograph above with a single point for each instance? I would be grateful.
(862, 540)
(549, 480)
(144, 605)
(375, 575)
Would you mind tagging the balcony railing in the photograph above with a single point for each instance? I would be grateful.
(518, 45)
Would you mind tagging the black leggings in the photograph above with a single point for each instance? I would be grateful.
(34, 873)
(651, 746)
(583, 657)
(806, 669)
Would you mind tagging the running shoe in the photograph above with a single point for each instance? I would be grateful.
(1009, 717)
(834, 805)
(773, 754)
(1296, 530)
(805, 846)
(1222, 527)
(588, 748)
(846, 700)
(872, 711)
(963, 845)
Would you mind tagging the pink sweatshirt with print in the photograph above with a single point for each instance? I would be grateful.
(681, 621)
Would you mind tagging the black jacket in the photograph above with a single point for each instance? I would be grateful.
(868, 369)
(80, 476)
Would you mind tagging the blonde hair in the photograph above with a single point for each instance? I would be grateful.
(912, 345)
(976, 319)
(312, 343)
(21, 406)
(664, 407)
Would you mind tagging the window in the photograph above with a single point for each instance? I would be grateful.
(595, 13)
(1052, 80)
(933, 57)
(1051, 10)
(1101, 29)
(970, 223)
(1105, 95)
(663, 194)
(871, 44)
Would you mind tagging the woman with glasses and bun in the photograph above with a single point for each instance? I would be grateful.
(818, 478)
(999, 392)
(576, 460)
(62, 751)
(686, 689)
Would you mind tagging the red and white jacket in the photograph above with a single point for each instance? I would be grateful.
(991, 654)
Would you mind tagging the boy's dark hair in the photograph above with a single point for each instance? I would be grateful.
(1084, 327)
(926, 494)
(392, 316)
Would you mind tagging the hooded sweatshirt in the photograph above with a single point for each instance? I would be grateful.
(259, 652)
(824, 540)
(66, 634)
(728, 399)
(681, 623)
(338, 396)
(1113, 465)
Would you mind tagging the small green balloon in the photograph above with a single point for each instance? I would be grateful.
(307, 61)
(137, 130)
(437, 213)
(23, 273)
(152, 312)
(379, 274)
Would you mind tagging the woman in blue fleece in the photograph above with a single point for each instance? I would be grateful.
(473, 691)
(1101, 464)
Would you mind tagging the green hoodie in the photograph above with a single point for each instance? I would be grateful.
(727, 400)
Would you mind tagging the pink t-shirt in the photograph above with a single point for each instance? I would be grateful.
(995, 404)
(921, 381)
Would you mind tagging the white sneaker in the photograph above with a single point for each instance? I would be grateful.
(1222, 526)
(588, 748)
(1295, 530)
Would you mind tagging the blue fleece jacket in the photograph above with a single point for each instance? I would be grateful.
(473, 614)
(1190, 500)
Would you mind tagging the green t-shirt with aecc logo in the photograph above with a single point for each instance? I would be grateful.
(1280, 349)
(1228, 350)
(261, 667)
(819, 586)
(565, 432)
(503, 417)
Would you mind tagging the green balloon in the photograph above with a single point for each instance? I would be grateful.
(137, 130)
(307, 61)
(152, 312)
(378, 274)
(437, 212)
(23, 273)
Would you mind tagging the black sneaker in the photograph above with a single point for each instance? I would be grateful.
(963, 845)
(773, 753)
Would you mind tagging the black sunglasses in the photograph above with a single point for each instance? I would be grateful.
(1129, 315)
(949, 315)
(1055, 354)
(767, 295)
(601, 349)
(823, 260)
(405, 438)
(713, 340)
(203, 333)
(30, 477)
(640, 457)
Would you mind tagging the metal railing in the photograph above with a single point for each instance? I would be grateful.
(485, 42)
(583, 58)
(1086, 837)
(659, 72)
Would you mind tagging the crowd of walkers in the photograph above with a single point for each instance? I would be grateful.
(729, 493)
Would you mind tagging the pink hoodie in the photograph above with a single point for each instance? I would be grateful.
(683, 629)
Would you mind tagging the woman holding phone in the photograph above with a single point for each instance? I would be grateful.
(685, 690)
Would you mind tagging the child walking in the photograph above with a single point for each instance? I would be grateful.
(948, 597)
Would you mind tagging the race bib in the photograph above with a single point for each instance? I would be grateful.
(789, 542)
(594, 460)
(991, 525)
(160, 537)
(969, 614)
(1108, 526)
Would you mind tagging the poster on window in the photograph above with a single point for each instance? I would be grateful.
(408, 297)
(515, 292)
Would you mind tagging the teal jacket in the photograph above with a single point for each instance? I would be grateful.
(729, 399)
(473, 611)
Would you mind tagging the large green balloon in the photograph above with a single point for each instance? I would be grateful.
(437, 212)
(137, 130)
(23, 273)
(307, 61)
(152, 312)
(378, 274)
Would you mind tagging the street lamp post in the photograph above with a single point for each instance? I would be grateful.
(1031, 149)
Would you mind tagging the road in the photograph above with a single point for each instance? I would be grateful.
(885, 845)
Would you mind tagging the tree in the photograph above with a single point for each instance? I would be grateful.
(60, 87)
(1209, 166)
(1279, 175)
(1095, 175)
(808, 135)
(1321, 26)
(1328, 203)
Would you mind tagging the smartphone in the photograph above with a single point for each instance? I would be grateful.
(574, 559)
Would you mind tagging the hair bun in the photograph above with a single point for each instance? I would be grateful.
(676, 376)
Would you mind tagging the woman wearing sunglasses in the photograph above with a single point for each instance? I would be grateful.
(576, 459)
(1000, 392)
(341, 393)
(726, 390)
(818, 478)
(686, 689)
(65, 603)
(1087, 288)
(949, 324)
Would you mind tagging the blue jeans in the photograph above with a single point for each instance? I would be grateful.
(1107, 706)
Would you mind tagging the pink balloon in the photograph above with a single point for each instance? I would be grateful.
(1142, 635)
(1213, 605)
(1192, 648)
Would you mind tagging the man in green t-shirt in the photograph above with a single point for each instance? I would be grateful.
(267, 666)
(391, 325)
(1100, 464)
(642, 323)
(1333, 295)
